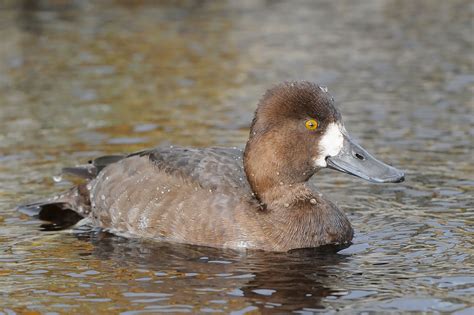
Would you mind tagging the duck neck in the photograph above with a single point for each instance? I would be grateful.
(296, 217)
(276, 174)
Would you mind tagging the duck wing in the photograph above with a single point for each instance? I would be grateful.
(209, 167)
(216, 169)
(212, 168)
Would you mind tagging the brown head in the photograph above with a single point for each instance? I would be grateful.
(296, 131)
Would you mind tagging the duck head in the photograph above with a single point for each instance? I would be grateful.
(295, 132)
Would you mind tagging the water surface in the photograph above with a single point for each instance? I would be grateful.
(81, 79)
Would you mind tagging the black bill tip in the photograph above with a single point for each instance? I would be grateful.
(399, 179)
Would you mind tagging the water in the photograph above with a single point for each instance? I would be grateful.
(80, 79)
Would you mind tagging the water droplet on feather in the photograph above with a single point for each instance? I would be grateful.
(57, 178)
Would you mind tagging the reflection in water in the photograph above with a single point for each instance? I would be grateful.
(268, 279)
(27, 18)
(79, 79)
(32, 14)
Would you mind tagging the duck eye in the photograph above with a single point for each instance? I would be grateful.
(311, 124)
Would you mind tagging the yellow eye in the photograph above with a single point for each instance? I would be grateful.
(311, 124)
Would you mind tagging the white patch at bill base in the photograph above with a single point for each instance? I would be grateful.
(330, 144)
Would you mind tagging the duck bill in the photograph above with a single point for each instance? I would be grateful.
(354, 160)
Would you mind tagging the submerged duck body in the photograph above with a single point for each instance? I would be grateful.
(258, 198)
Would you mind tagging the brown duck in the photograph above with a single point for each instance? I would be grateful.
(258, 198)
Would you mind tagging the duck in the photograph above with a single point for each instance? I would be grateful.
(258, 198)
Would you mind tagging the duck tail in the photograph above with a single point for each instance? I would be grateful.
(62, 211)
(67, 209)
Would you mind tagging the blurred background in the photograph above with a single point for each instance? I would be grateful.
(80, 79)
